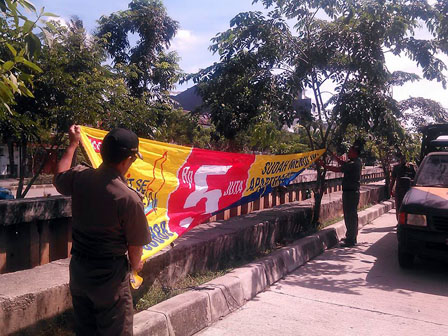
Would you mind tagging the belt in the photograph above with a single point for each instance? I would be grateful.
(96, 258)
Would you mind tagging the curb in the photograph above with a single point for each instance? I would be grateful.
(190, 312)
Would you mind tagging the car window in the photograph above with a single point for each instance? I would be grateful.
(434, 172)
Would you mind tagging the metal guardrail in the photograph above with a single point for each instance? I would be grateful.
(299, 190)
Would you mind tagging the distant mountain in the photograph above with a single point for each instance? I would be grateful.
(190, 100)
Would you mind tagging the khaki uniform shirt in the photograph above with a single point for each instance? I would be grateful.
(107, 214)
(352, 175)
(402, 170)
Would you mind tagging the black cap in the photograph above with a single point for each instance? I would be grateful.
(119, 144)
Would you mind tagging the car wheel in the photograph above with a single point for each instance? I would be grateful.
(405, 259)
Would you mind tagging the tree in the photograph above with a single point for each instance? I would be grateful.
(182, 128)
(418, 112)
(18, 49)
(74, 87)
(18, 46)
(148, 67)
(69, 89)
(242, 90)
(339, 45)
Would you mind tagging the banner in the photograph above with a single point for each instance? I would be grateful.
(183, 186)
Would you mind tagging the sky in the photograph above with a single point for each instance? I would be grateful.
(200, 20)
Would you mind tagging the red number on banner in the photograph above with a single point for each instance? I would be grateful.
(212, 196)
(96, 144)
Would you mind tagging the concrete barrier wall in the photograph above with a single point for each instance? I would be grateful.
(29, 296)
(37, 231)
(34, 232)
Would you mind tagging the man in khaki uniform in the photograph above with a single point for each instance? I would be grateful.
(109, 232)
(403, 169)
(350, 192)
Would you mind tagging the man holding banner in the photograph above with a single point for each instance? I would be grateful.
(350, 191)
(108, 222)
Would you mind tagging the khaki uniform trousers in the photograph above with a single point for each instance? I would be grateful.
(350, 201)
(102, 300)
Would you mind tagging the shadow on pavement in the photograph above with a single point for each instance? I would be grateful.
(348, 270)
(427, 276)
(329, 273)
(378, 230)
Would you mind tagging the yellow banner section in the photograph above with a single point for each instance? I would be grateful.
(270, 171)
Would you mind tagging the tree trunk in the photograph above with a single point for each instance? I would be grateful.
(22, 166)
(57, 141)
(318, 195)
(386, 169)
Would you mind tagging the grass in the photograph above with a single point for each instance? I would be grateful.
(158, 292)
(365, 207)
(330, 222)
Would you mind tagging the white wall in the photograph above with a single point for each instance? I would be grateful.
(4, 158)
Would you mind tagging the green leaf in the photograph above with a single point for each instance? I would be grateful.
(8, 108)
(33, 45)
(12, 6)
(51, 27)
(48, 14)
(8, 65)
(13, 13)
(31, 65)
(25, 90)
(3, 5)
(6, 90)
(25, 77)
(28, 5)
(27, 26)
(11, 49)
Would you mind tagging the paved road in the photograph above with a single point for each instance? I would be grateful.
(358, 291)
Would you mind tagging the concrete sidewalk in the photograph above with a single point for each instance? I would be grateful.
(188, 313)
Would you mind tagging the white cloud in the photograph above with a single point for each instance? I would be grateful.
(193, 51)
(60, 20)
(423, 88)
(186, 41)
